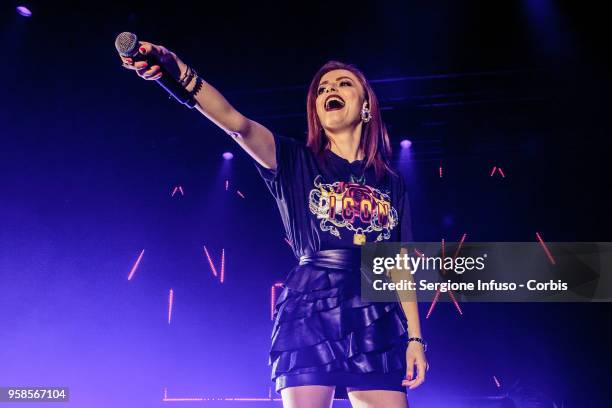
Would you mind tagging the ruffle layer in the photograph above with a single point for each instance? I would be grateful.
(322, 325)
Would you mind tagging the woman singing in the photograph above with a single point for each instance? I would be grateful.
(334, 193)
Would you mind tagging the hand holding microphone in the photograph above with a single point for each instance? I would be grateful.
(156, 63)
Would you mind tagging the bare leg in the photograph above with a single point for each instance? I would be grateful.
(377, 399)
(308, 396)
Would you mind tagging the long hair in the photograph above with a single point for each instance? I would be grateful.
(374, 138)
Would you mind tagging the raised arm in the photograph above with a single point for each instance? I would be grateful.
(253, 137)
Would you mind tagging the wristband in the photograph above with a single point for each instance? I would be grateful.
(196, 88)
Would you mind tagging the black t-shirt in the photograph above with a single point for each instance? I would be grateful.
(332, 203)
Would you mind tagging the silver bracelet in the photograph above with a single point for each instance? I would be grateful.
(418, 340)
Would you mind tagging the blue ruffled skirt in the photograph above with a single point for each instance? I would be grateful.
(325, 334)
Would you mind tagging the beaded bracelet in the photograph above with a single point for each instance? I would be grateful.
(418, 340)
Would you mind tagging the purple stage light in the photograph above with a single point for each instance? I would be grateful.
(228, 156)
(405, 144)
(24, 11)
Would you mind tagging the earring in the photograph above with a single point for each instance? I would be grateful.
(365, 114)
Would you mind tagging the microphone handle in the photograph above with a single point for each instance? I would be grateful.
(171, 85)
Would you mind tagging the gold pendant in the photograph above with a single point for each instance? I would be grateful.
(359, 239)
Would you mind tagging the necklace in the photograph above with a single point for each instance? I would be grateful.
(356, 176)
(359, 238)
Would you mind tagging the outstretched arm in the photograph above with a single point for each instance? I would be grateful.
(253, 137)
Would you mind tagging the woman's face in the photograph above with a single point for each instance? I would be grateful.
(339, 100)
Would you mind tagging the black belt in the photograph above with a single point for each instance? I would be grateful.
(334, 258)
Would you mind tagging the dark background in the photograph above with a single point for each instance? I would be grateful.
(90, 154)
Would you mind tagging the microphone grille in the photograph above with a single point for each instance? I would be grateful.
(126, 44)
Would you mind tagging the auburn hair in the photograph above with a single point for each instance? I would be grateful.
(374, 137)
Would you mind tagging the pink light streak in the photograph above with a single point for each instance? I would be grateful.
(450, 292)
(501, 171)
(460, 245)
(240, 194)
(197, 399)
(165, 398)
(177, 188)
(210, 262)
(437, 296)
(433, 304)
(236, 399)
(435, 301)
(222, 278)
(548, 254)
(184, 399)
(226, 184)
(133, 271)
(443, 256)
(170, 303)
(273, 297)
(496, 382)
(452, 296)
(213, 268)
(440, 170)
(250, 399)
(288, 241)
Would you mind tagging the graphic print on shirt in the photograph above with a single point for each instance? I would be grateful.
(354, 206)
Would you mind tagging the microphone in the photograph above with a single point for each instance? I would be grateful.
(127, 45)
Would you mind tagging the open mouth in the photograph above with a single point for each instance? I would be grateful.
(334, 102)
